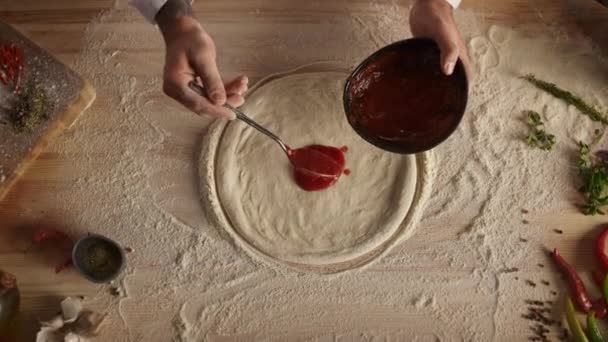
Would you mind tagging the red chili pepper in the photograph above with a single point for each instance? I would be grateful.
(50, 234)
(577, 287)
(44, 234)
(68, 262)
(600, 248)
(11, 66)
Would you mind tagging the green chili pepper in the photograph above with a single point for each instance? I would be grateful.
(592, 329)
(575, 326)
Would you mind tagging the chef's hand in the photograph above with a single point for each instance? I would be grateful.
(190, 55)
(434, 19)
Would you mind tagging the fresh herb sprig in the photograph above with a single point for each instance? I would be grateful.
(569, 98)
(538, 137)
(593, 168)
(594, 175)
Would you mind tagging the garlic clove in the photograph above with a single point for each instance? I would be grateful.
(73, 337)
(71, 308)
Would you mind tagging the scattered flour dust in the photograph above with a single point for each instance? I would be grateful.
(452, 280)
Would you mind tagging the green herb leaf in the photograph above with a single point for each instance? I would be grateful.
(592, 170)
(569, 98)
(534, 118)
(594, 177)
(538, 137)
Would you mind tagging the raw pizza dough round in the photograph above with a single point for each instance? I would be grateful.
(268, 212)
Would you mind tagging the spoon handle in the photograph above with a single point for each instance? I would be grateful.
(243, 117)
(246, 119)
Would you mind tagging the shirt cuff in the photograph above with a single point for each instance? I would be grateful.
(149, 8)
(454, 3)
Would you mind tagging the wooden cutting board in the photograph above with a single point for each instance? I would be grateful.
(68, 97)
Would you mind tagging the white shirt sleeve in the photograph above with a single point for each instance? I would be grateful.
(149, 8)
(454, 3)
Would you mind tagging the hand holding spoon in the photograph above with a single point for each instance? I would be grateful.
(243, 117)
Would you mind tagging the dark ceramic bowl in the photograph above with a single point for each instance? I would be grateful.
(399, 100)
(98, 258)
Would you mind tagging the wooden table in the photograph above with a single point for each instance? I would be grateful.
(243, 29)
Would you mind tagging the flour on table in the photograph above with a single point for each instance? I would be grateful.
(187, 282)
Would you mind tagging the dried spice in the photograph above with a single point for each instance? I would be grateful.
(100, 260)
(32, 108)
(541, 319)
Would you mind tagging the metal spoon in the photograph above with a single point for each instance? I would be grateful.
(246, 119)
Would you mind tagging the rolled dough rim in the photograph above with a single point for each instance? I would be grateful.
(217, 215)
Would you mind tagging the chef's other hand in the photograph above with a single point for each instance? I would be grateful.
(191, 56)
(434, 19)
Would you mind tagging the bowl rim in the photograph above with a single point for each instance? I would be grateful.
(346, 98)
(113, 275)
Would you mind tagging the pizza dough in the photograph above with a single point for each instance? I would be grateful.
(262, 207)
